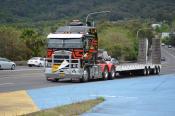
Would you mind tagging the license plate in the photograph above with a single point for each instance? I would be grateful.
(55, 67)
(62, 74)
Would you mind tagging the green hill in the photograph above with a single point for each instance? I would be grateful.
(17, 11)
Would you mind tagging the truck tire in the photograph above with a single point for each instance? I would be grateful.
(148, 71)
(112, 73)
(145, 71)
(155, 70)
(158, 70)
(105, 73)
(86, 74)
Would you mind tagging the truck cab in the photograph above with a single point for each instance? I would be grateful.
(76, 45)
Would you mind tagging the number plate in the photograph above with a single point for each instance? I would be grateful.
(62, 74)
(55, 67)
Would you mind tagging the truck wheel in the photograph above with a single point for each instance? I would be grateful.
(112, 73)
(86, 75)
(105, 73)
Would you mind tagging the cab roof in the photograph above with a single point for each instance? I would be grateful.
(74, 29)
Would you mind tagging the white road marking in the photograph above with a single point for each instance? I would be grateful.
(112, 96)
(18, 70)
(6, 84)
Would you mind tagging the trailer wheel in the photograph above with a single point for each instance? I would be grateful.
(155, 70)
(112, 73)
(158, 70)
(105, 73)
(148, 71)
(145, 71)
(86, 75)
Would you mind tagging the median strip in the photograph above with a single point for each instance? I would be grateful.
(69, 110)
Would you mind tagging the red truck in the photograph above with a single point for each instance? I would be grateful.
(73, 54)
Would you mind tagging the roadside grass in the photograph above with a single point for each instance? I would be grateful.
(74, 109)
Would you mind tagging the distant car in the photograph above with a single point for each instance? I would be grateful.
(7, 64)
(36, 61)
(114, 61)
(169, 46)
(163, 59)
(163, 44)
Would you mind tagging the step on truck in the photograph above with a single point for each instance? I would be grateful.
(73, 54)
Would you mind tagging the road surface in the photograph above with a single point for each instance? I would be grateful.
(24, 78)
(168, 66)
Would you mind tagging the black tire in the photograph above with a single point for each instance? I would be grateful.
(13, 67)
(148, 71)
(105, 73)
(155, 70)
(145, 71)
(158, 70)
(40, 65)
(0, 66)
(112, 73)
(86, 75)
(30, 65)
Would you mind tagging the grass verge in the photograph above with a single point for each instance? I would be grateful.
(69, 110)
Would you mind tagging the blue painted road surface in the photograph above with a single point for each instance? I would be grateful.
(140, 96)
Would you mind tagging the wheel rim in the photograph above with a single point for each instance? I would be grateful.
(155, 70)
(148, 71)
(112, 73)
(85, 75)
(105, 74)
(13, 67)
(145, 71)
(158, 70)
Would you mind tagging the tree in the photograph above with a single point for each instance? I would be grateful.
(10, 44)
(34, 42)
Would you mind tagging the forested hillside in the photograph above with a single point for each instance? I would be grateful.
(13, 11)
(26, 23)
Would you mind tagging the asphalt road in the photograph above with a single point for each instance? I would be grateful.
(24, 78)
(168, 66)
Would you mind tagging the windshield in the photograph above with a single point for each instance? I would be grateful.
(65, 43)
(73, 29)
(4, 59)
